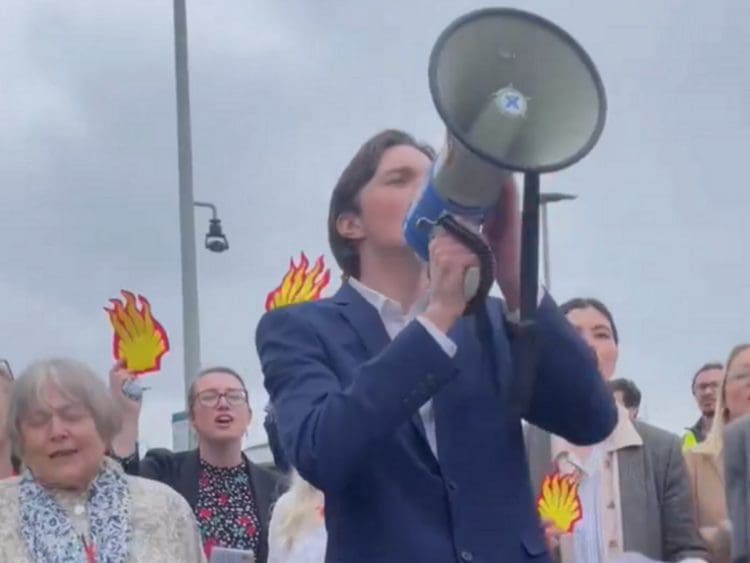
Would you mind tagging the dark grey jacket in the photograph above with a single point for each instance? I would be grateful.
(737, 472)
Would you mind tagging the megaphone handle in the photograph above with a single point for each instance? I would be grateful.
(478, 246)
(525, 343)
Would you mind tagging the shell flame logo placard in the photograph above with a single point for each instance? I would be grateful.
(300, 283)
(559, 501)
(139, 340)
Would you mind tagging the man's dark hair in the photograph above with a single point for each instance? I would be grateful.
(631, 395)
(705, 367)
(585, 303)
(345, 196)
(216, 369)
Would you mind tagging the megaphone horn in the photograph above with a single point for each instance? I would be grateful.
(517, 94)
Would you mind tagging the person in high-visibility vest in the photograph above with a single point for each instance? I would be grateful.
(689, 440)
(705, 385)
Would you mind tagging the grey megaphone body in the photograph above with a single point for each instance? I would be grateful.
(517, 94)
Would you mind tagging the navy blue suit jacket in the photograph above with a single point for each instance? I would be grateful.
(346, 399)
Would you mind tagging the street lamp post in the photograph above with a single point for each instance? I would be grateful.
(545, 199)
(190, 325)
(215, 239)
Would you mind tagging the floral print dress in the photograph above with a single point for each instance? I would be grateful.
(226, 510)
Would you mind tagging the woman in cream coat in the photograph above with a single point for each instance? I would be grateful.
(72, 503)
(705, 462)
(633, 486)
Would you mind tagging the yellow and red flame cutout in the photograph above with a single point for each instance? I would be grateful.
(300, 283)
(559, 501)
(139, 340)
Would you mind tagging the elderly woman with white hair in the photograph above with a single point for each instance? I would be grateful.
(71, 503)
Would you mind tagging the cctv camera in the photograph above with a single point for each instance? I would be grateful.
(215, 239)
(216, 244)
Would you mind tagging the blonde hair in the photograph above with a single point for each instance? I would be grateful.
(73, 379)
(295, 511)
(714, 441)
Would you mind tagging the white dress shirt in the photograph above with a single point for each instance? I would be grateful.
(395, 320)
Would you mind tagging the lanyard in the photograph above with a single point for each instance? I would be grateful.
(88, 549)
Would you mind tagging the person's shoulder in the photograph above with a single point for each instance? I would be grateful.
(739, 427)
(655, 436)
(155, 493)
(165, 455)
(8, 489)
(303, 310)
(260, 472)
(274, 483)
(315, 317)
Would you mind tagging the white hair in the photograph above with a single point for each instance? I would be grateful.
(295, 511)
(75, 380)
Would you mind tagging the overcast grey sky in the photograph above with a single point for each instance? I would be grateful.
(283, 92)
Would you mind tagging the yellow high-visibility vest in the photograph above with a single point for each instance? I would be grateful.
(689, 441)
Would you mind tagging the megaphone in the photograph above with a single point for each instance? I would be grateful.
(517, 94)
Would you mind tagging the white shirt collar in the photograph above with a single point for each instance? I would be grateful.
(386, 305)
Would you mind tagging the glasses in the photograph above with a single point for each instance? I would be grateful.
(210, 398)
(703, 387)
(5, 371)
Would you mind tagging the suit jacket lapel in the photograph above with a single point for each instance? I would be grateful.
(364, 320)
(637, 518)
(263, 492)
(264, 496)
(539, 452)
(187, 482)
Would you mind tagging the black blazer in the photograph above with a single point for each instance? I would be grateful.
(180, 471)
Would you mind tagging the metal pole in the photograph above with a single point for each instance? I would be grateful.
(210, 206)
(545, 199)
(190, 323)
(545, 247)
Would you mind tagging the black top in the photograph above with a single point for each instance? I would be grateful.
(182, 470)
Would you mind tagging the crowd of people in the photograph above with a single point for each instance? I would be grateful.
(392, 425)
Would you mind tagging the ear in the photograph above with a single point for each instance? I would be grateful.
(349, 226)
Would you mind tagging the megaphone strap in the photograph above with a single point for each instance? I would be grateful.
(478, 246)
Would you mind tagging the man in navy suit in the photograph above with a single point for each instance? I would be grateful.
(392, 402)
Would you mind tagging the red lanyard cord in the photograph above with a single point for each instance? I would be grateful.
(88, 548)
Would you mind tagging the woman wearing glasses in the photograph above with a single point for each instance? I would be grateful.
(230, 496)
